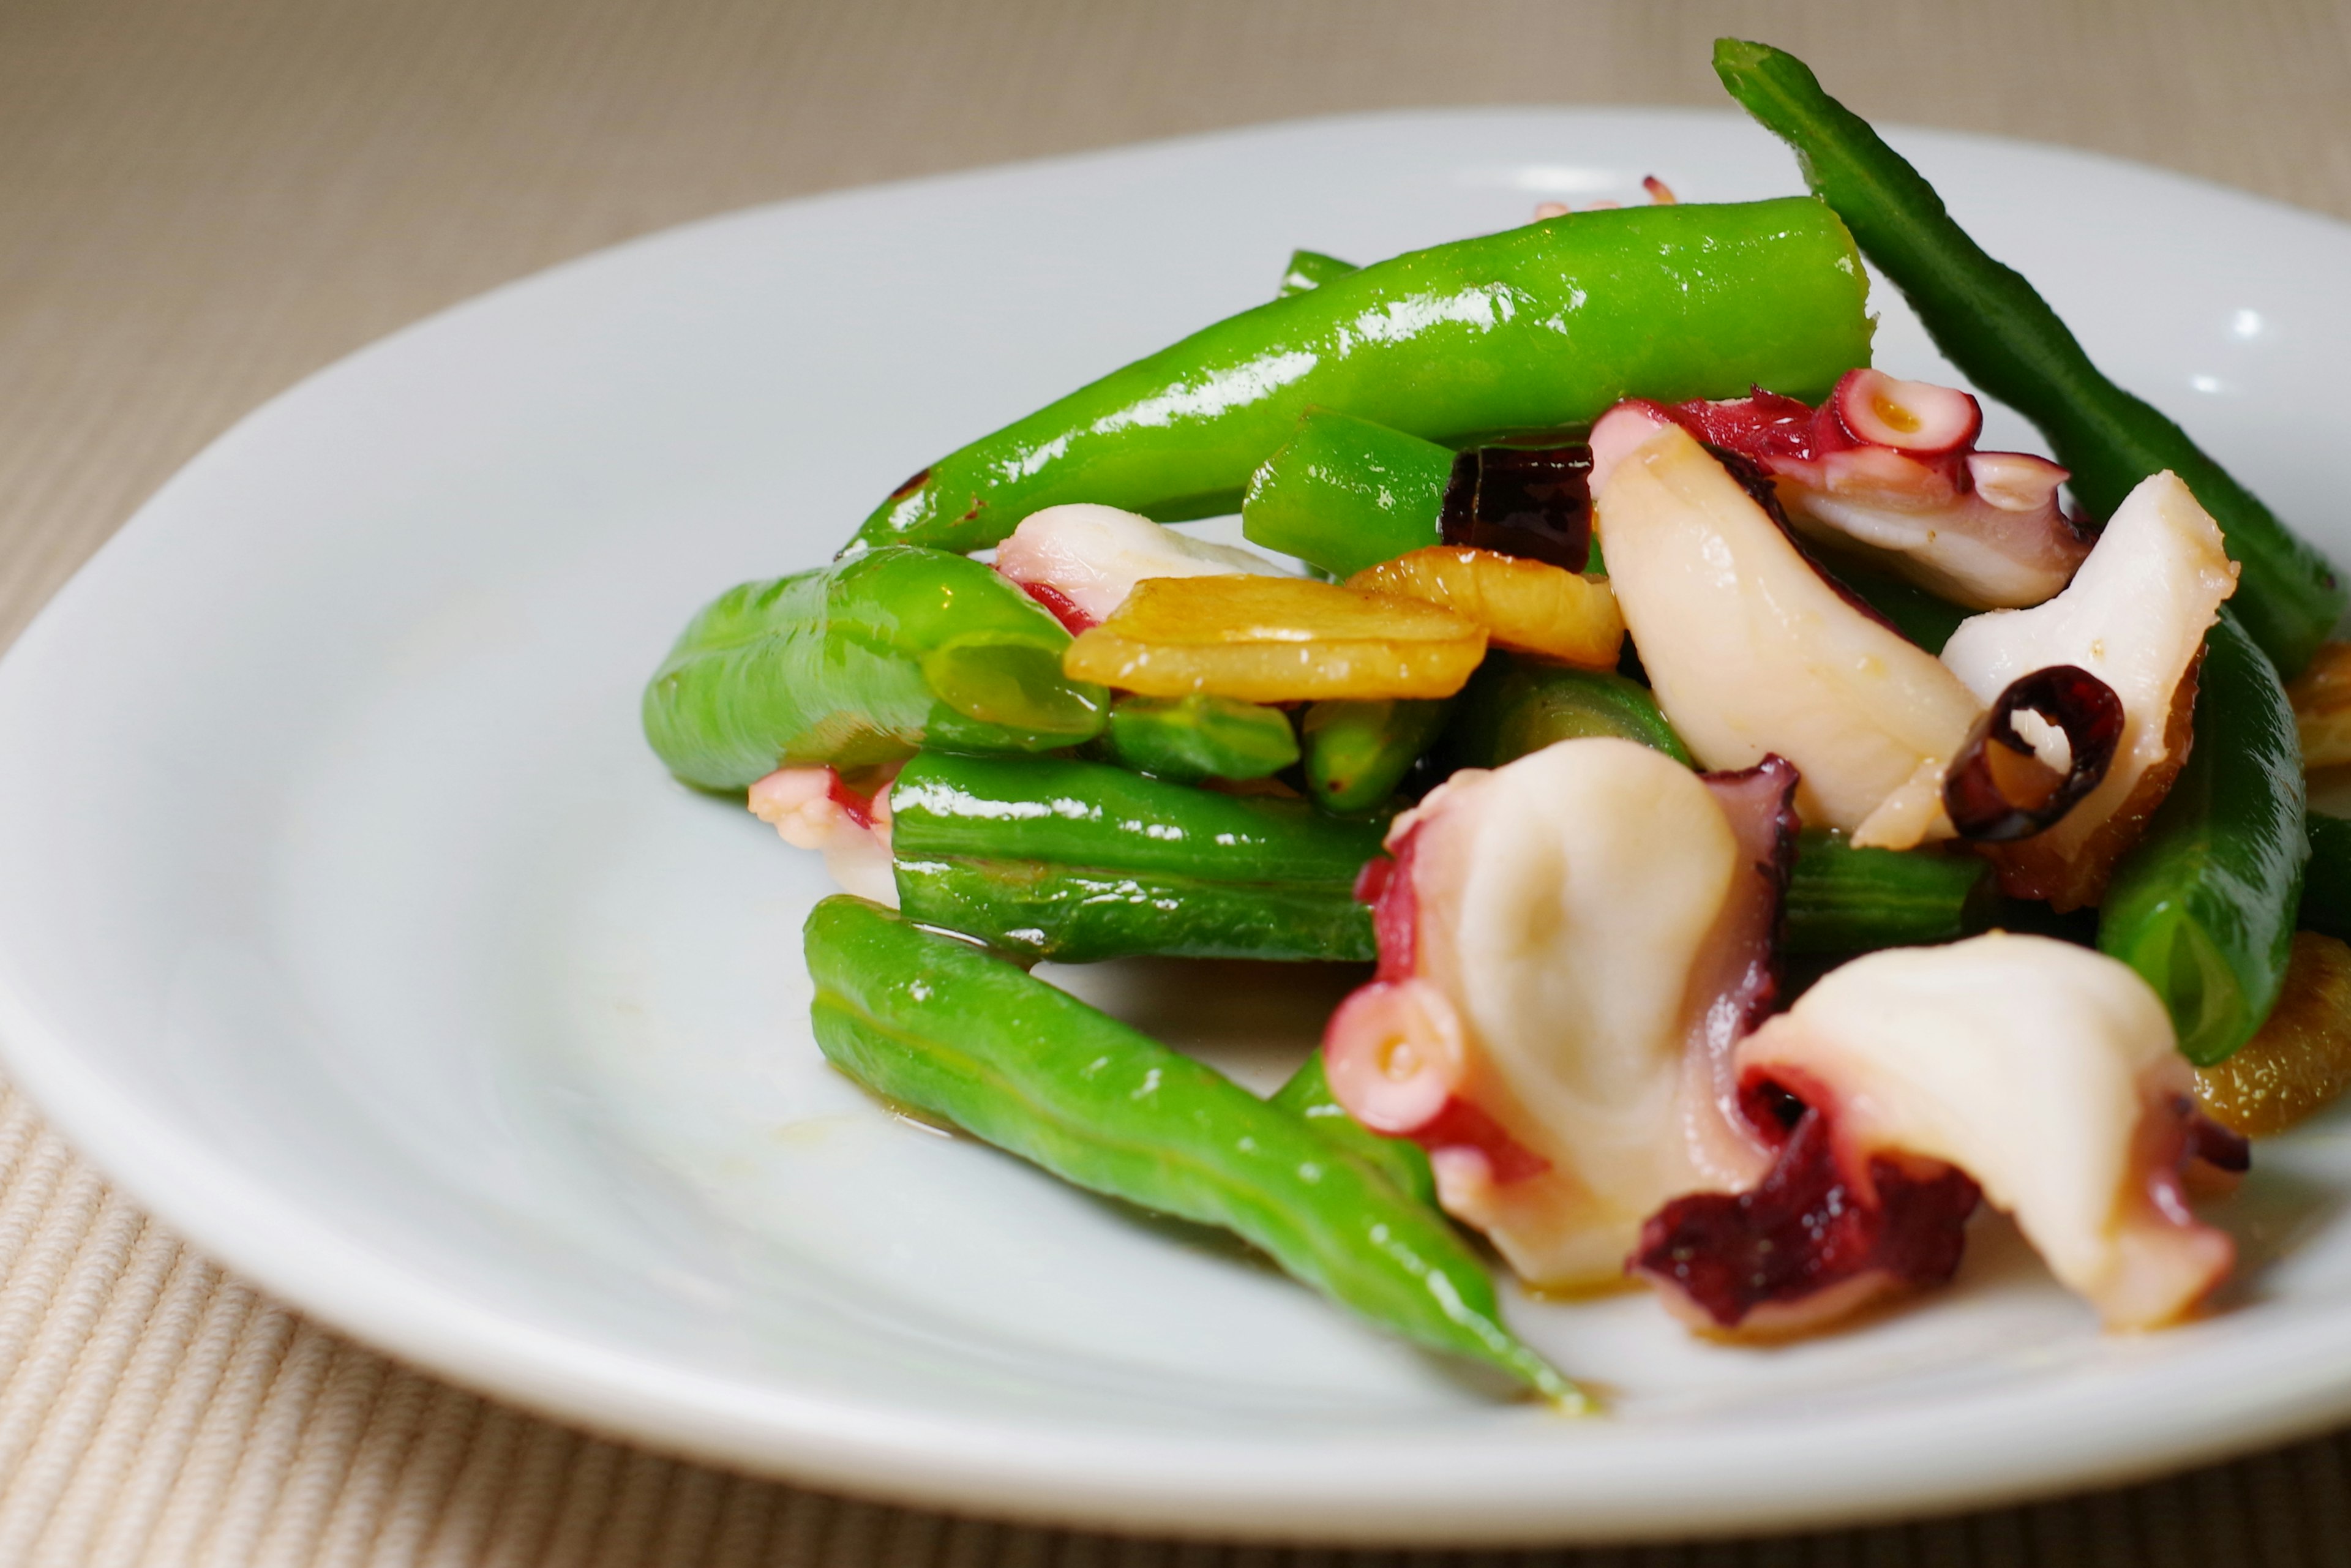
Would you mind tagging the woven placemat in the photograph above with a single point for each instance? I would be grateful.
(202, 199)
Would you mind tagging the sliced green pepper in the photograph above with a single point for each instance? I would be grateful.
(1344, 494)
(1847, 900)
(1307, 1095)
(941, 1026)
(1311, 269)
(1513, 706)
(1357, 752)
(2204, 907)
(1078, 861)
(2004, 337)
(860, 663)
(1200, 737)
(2327, 889)
(1536, 328)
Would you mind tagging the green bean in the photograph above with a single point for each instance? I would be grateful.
(2204, 906)
(1311, 269)
(1198, 737)
(1038, 909)
(1078, 861)
(1307, 1095)
(1093, 814)
(945, 1028)
(1357, 752)
(2004, 338)
(1512, 706)
(1847, 900)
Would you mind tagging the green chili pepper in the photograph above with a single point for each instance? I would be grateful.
(1201, 736)
(1536, 328)
(1307, 1095)
(2327, 889)
(1078, 861)
(2004, 337)
(942, 1027)
(1512, 706)
(860, 663)
(1847, 900)
(1344, 494)
(1357, 752)
(2204, 907)
(1311, 269)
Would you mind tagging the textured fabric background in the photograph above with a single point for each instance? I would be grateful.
(202, 200)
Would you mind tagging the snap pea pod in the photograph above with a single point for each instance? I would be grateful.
(1311, 269)
(1344, 494)
(2327, 889)
(1990, 323)
(1307, 1095)
(1198, 737)
(1513, 706)
(2204, 907)
(1536, 328)
(1078, 861)
(1847, 900)
(860, 663)
(941, 1026)
(1357, 752)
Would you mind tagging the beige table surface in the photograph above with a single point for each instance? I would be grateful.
(202, 200)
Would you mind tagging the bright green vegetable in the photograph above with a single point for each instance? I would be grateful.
(1845, 900)
(941, 1026)
(1308, 1096)
(1344, 493)
(1311, 269)
(2204, 907)
(1512, 706)
(1536, 328)
(1039, 910)
(1357, 752)
(2004, 337)
(1078, 861)
(1089, 814)
(2327, 889)
(860, 663)
(1200, 737)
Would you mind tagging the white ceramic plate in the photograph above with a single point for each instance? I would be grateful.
(348, 923)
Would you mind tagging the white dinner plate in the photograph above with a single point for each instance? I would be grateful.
(346, 922)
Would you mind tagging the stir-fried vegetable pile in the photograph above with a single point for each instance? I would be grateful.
(1778, 825)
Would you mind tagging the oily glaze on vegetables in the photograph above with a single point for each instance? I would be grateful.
(1688, 719)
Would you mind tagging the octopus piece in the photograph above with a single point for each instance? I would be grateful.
(1082, 561)
(2135, 617)
(1887, 470)
(1570, 948)
(816, 809)
(1751, 651)
(2042, 1074)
